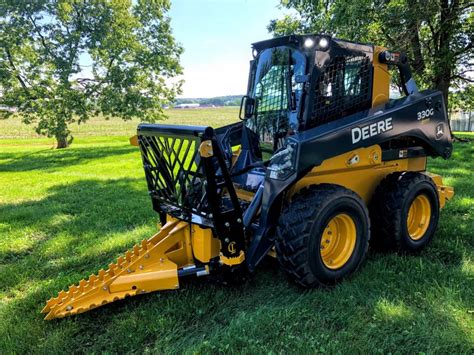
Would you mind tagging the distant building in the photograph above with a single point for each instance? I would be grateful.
(9, 109)
(187, 106)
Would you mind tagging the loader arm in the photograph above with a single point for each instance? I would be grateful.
(400, 60)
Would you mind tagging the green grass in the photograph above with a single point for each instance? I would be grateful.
(64, 214)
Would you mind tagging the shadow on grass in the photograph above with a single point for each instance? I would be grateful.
(377, 309)
(55, 159)
(72, 219)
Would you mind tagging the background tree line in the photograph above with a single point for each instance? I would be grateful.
(437, 35)
(229, 100)
(63, 61)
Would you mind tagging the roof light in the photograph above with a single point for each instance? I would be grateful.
(323, 42)
(308, 42)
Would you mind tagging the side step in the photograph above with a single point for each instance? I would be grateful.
(151, 266)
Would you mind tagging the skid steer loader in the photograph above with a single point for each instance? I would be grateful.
(321, 161)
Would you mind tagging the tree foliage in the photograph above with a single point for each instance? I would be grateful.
(462, 99)
(437, 35)
(62, 61)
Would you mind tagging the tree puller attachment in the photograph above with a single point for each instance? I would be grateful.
(321, 162)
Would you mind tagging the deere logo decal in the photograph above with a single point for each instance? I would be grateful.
(365, 132)
(232, 247)
(439, 130)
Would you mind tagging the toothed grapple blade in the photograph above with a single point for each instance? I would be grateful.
(143, 269)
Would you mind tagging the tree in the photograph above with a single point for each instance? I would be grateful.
(62, 61)
(437, 35)
(463, 99)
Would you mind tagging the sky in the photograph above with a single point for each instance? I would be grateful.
(216, 36)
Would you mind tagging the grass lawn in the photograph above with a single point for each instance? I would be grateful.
(64, 214)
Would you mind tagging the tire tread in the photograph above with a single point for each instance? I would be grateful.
(386, 208)
(295, 226)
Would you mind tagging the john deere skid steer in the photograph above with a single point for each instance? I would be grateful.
(321, 162)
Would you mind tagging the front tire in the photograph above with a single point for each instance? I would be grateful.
(323, 235)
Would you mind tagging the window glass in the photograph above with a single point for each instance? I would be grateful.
(277, 94)
(352, 79)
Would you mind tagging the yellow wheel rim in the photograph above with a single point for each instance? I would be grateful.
(419, 216)
(338, 241)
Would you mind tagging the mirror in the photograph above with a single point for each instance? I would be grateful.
(248, 105)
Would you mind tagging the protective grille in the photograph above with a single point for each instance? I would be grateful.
(342, 89)
(174, 173)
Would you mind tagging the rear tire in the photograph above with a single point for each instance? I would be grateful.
(404, 212)
(323, 235)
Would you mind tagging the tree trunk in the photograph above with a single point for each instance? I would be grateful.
(443, 65)
(443, 83)
(61, 141)
(61, 132)
(414, 24)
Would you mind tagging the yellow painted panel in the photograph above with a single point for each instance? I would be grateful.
(134, 140)
(360, 170)
(381, 83)
(205, 246)
(244, 194)
(231, 261)
(445, 193)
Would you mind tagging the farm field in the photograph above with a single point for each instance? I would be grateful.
(98, 126)
(64, 214)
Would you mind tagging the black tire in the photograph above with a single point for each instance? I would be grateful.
(301, 227)
(389, 211)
